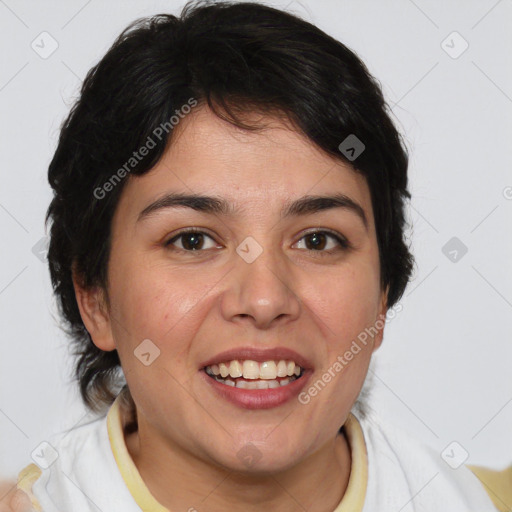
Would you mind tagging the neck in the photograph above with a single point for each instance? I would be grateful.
(180, 481)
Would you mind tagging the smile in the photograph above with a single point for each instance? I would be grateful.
(253, 385)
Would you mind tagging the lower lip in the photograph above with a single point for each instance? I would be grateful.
(258, 398)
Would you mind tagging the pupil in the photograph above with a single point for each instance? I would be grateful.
(195, 238)
(318, 241)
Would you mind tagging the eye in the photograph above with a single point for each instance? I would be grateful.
(318, 241)
(191, 240)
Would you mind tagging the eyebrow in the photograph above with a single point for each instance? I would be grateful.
(306, 205)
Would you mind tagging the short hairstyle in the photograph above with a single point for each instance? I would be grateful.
(238, 58)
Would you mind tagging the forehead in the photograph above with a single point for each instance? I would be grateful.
(265, 168)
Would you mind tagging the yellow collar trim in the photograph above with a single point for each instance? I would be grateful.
(129, 471)
(353, 499)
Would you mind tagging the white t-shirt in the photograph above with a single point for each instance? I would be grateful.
(390, 472)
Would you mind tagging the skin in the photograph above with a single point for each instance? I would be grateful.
(12, 499)
(194, 305)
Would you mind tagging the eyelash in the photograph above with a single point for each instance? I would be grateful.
(344, 244)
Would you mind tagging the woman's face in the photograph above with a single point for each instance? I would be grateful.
(257, 278)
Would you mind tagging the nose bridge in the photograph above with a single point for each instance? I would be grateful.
(261, 287)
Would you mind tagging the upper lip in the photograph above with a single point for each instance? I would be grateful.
(260, 355)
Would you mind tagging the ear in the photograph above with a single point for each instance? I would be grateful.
(380, 321)
(94, 312)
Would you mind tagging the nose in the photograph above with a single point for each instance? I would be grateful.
(261, 292)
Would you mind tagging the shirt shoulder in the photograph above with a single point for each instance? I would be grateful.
(400, 464)
(498, 484)
(26, 479)
(75, 469)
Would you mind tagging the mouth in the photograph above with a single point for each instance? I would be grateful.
(256, 378)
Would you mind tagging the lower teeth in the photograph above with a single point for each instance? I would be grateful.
(256, 384)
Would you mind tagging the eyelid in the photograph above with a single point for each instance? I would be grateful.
(185, 231)
(322, 230)
(343, 240)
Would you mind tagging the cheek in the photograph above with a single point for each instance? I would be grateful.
(159, 305)
(153, 300)
(347, 303)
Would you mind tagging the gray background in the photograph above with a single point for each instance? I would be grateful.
(443, 371)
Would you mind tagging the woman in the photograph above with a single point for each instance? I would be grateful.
(226, 241)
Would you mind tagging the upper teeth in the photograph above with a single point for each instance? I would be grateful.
(248, 369)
